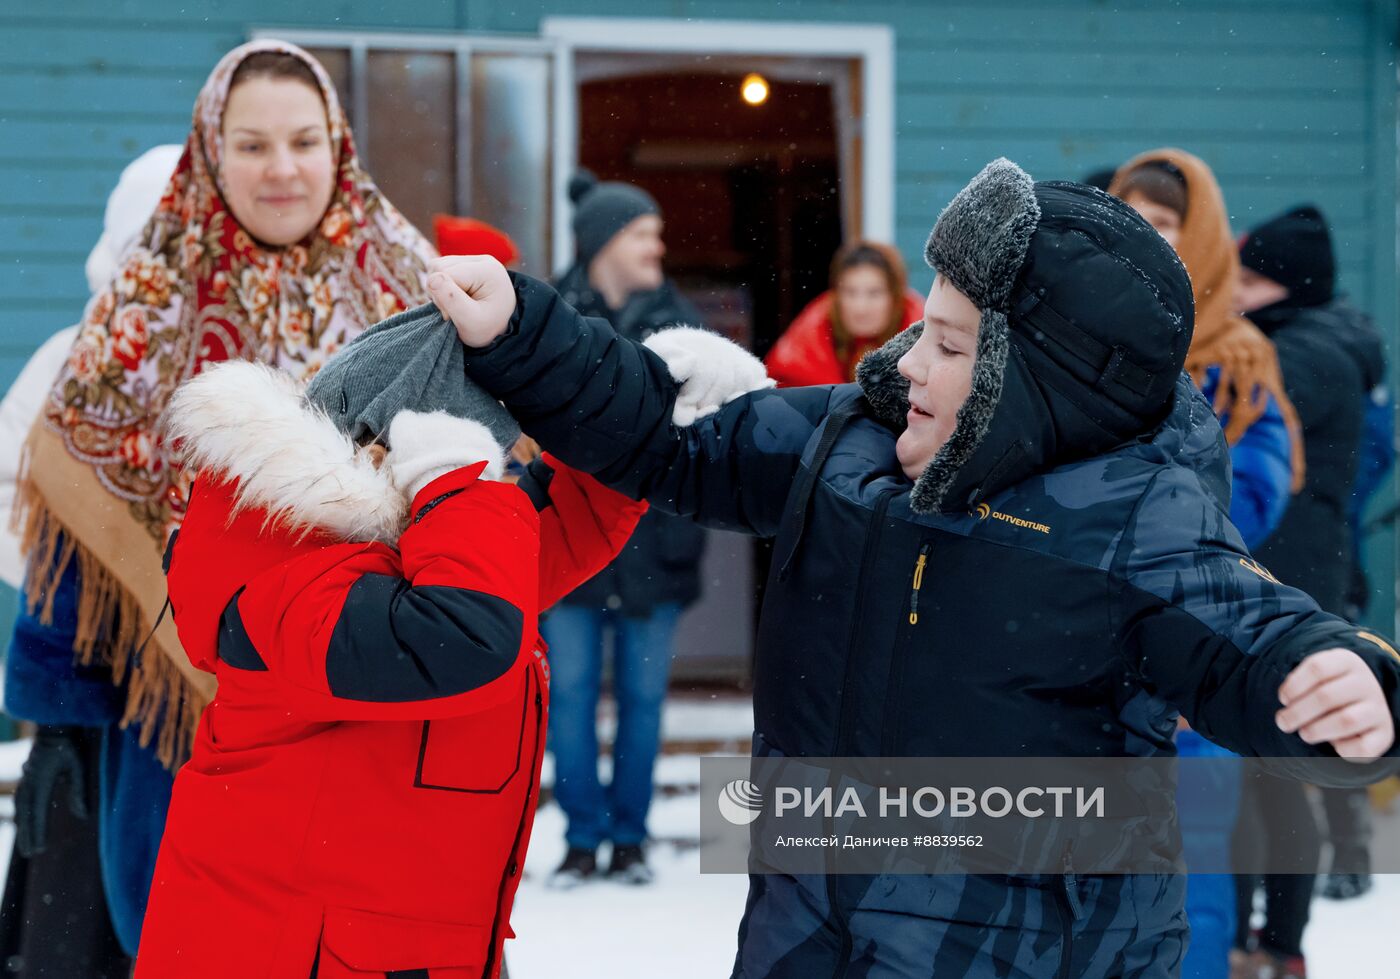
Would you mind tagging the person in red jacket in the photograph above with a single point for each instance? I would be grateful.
(362, 787)
(869, 301)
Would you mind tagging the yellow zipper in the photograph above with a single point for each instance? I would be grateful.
(918, 583)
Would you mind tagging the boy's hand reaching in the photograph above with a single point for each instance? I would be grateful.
(1333, 696)
(475, 293)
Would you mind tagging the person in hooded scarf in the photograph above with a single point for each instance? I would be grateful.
(269, 243)
(1233, 362)
(1045, 386)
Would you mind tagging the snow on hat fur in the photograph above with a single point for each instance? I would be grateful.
(1102, 311)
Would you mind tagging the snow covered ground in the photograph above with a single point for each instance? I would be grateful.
(682, 926)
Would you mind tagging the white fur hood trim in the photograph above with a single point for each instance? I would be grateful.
(251, 422)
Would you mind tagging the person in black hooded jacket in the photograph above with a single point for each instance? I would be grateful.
(1332, 359)
(1062, 534)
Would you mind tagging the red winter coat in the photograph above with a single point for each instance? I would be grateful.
(806, 352)
(362, 786)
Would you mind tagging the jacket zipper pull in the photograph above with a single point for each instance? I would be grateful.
(918, 583)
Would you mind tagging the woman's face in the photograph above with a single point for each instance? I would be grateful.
(1163, 218)
(939, 370)
(278, 171)
(863, 297)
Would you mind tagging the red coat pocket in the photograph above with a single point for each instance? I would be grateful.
(355, 944)
(479, 752)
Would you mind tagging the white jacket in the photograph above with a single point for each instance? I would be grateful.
(129, 207)
(18, 411)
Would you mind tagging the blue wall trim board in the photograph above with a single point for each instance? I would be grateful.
(1289, 100)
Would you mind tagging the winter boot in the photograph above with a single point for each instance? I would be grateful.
(629, 865)
(579, 865)
(1344, 887)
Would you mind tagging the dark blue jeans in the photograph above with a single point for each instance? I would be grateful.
(641, 669)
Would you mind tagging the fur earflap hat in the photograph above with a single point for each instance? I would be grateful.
(1086, 316)
(411, 361)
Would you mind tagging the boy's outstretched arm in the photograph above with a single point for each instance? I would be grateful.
(609, 407)
(1333, 697)
(1251, 663)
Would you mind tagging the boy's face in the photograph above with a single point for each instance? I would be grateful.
(939, 370)
(1254, 291)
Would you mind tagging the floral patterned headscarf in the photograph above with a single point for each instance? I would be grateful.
(101, 485)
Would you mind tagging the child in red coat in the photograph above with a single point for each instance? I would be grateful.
(362, 787)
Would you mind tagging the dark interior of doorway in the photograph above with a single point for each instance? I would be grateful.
(751, 197)
(750, 194)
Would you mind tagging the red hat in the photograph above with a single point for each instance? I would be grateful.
(468, 236)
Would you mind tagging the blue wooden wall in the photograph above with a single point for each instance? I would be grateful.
(1288, 100)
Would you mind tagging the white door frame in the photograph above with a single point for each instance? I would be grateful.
(872, 44)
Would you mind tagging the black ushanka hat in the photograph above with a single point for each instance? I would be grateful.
(1086, 316)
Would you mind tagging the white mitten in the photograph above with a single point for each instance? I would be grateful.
(423, 447)
(711, 370)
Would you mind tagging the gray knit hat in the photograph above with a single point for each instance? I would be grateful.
(601, 210)
(412, 361)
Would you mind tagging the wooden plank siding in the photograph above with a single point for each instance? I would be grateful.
(1289, 100)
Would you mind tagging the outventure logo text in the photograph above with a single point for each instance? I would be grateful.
(983, 512)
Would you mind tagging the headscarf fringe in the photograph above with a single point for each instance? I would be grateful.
(160, 701)
(164, 707)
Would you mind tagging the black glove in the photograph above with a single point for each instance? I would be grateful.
(56, 755)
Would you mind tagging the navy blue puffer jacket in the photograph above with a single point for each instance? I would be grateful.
(1075, 586)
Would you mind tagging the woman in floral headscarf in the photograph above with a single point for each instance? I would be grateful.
(270, 244)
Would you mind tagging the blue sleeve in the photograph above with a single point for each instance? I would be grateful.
(1377, 454)
(43, 684)
(1209, 631)
(1261, 472)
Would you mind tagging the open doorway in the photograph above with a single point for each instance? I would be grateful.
(751, 193)
(756, 199)
(755, 202)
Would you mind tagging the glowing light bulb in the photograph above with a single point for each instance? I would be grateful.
(754, 89)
